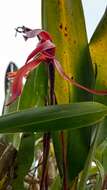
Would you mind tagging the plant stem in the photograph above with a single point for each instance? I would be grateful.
(46, 141)
(46, 146)
(84, 176)
(64, 161)
(52, 79)
(53, 101)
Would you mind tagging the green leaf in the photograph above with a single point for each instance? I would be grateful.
(56, 184)
(95, 176)
(85, 172)
(67, 26)
(78, 144)
(52, 118)
(101, 175)
(98, 49)
(101, 154)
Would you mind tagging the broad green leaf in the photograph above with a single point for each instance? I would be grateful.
(98, 49)
(52, 118)
(67, 27)
(56, 139)
(78, 146)
(24, 160)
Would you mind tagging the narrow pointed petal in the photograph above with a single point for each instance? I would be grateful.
(66, 77)
(46, 45)
(11, 75)
(16, 88)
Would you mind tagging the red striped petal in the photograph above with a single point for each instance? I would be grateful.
(17, 85)
(42, 47)
(11, 75)
(66, 77)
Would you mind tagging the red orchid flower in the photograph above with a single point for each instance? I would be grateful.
(44, 52)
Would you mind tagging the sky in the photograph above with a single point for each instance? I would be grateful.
(28, 12)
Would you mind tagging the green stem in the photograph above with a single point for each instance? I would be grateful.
(84, 176)
(65, 185)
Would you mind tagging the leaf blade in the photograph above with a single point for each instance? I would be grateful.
(98, 49)
(54, 118)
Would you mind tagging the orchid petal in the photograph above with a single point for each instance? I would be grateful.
(11, 75)
(46, 45)
(67, 78)
(16, 88)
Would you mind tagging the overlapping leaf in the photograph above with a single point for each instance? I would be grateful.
(98, 49)
(69, 34)
(54, 118)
